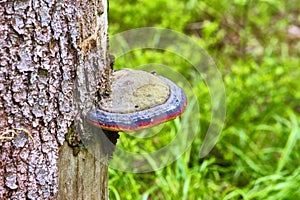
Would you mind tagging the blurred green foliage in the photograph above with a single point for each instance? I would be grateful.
(258, 153)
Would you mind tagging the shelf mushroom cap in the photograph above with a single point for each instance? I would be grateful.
(138, 100)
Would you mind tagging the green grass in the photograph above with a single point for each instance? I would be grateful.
(258, 153)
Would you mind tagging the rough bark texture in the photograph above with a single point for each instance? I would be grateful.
(45, 47)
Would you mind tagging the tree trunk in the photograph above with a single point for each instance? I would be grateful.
(53, 68)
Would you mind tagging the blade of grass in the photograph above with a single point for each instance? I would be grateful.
(291, 142)
(148, 192)
(186, 186)
(246, 159)
(115, 193)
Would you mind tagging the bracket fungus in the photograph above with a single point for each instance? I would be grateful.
(138, 100)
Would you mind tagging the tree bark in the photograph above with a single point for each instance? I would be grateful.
(54, 66)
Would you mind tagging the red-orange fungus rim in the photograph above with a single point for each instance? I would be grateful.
(133, 121)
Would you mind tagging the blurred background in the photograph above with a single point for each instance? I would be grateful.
(255, 44)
